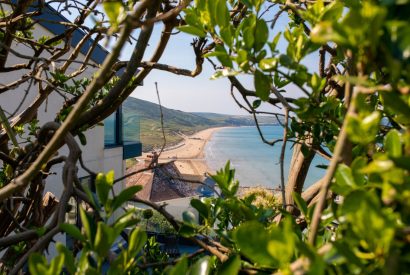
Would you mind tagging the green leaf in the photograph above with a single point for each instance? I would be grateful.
(363, 130)
(192, 30)
(187, 231)
(189, 217)
(344, 175)
(114, 10)
(41, 231)
(69, 261)
(225, 180)
(137, 240)
(223, 56)
(281, 244)
(379, 166)
(125, 196)
(102, 187)
(261, 34)
(37, 264)
(128, 219)
(300, 202)
(201, 267)
(357, 166)
(231, 266)
(344, 180)
(201, 207)
(324, 32)
(110, 177)
(147, 214)
(88, 224)
(226, 36)
(192, 18)
(262, 84)
(402, 162)
(82, 138)
(252, 240)
(104, 239)
(248, 3)
(248, 38)
(211, 11)
(397, 106)
(222, 14)
(344, 249)
(285, 60)
(332, 11)
(256, 103)
(56, 265)
(274, 43)
(180, 268)
(392, 144)
(92, 197)
(73, 231)
(371, 224)
(268, 64)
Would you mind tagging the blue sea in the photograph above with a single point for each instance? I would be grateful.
(256, 163)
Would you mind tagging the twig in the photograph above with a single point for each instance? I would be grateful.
(194, 181)
(336, 158)
(8, 159)
(176, 225)
(9, 130)
(161, 209)
(140, 171)
(221, 256)
(68, 176)
(150, 265)
(23, 180)
(162, 121)
(282, 159)
(322, 60)
(89, 171)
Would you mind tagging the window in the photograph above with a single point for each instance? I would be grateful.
(112, 129)
(123, 130)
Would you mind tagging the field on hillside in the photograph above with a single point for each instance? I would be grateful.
(142, 121)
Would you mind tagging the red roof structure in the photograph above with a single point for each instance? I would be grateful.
(161, 182)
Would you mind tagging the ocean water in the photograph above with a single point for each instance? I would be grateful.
(256, 163)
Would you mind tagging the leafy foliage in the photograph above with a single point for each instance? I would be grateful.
(363, 94)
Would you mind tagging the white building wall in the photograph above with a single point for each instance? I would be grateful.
(112, 157)
(177, 207)
(94, 155)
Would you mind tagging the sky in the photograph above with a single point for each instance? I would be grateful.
(199, 94)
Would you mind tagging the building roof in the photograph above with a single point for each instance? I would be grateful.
(162, 183)
(51, 18)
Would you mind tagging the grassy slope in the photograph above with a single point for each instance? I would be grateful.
(176, 123)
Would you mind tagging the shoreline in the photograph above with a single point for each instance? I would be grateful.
(189, 154)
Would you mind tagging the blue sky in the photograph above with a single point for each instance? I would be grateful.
(199, 94)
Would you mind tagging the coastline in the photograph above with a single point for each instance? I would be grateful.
(189, 155)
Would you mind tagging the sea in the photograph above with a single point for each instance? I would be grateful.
(255, 163)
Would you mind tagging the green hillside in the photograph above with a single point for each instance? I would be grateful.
(145, 116)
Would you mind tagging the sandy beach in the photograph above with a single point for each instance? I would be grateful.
(189, 155)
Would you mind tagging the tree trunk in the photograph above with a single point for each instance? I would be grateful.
(310, 194)
(298, 170)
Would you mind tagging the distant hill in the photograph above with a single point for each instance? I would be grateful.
(237, 120)
(146, 115)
